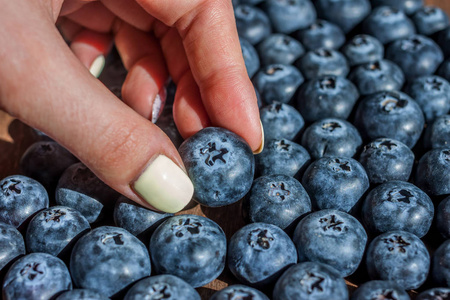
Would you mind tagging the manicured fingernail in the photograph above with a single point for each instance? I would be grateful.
(97, 66)
(261, 147)
(158, 104)
(164, 185)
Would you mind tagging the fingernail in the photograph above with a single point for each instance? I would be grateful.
(97, 66)
(164, 185)
(158, 104)
(261, 147)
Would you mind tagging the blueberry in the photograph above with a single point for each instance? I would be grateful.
(390, 114)
(252, 23)
(321, 62)
(408, 6)
(432, 93)
(400, 257)
(335, 182)
(310, 280)
(258, 254)
(443, 218)
(80, 189)
(36, 276)
(443, 40)
(441, 265)
(277, 82)
(437, 135)
(398, 205)
(276, 199)
(444, 70)
(322, 34)
(331, 237)
(379, 289)
(430, 19)
(377, 76)
(162, 287)
(331, 137)
(388, 24)
(166, 123)
(287, 16)
(20, 198)
(326, 97)
(237, 292)
(435, 294)
(362, 49)
(251, 58)
(12, 244)
(279, 48)
(281, 156)
(280, 121)
(416, 56)
(190, 247)
(220, 164)
(81, 294)
(387, 159)
(433, 172)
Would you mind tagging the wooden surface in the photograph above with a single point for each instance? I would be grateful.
(15, 137)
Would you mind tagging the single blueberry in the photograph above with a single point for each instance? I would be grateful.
(387, 159)
(435, 294)
(321, 34)
(331, 137)
(238, 291)
(287, 16)
(20, 198)
(430, 19)
(36, 276)
(443, 218)
(437, 135)
(380, 289)
(440, 270)
(408, 6)
(220, 164)
(331, 237)
(362, 49)
(280, 121)
(259, 253)
(326, 97)
(81, 294)
(12, 244)
(252, 23)
(433, 172)
(443, 40)
(400, 257)
(279, 48)
(108, 259)
(444, 69)
(251, 58)
(321, 62)
(167, 124)
(162, 287)
(335, 182)
(190, 247)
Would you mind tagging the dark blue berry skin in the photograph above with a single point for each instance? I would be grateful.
(280, 121)
(322, 34)
(162, 287)
(408, 6)
(167, 124)
(331, 237)
(388, 24)
(416, 56)
(276, 199)
(390, 114)
(220, 164)
(252, 23)
(331, 137)
(258, 254)
(20, 198)
(12, 244)
(281, 156)
(335, 182)
(443, 40)
(136, 219)
(433, 172)
(377, 76)
(251, 58)
(443, 218)
(279, 48)
(310, 280)
(400, 257)
(36, 276)
(190, 247)
(437, 135)
(329, 96)
(397, 205)
(287, 16)
(441, 293)
(344, 13)
(55, 229)
(430, 19)
(238, 291)
(45, 161)
(362, 49)
(444, 70)
(81, 294)
(441, 265)
(432, 93)
(387, 159)
(380, 289)
(108, 259)
(321, 62)
(80, 189)
(277, 82)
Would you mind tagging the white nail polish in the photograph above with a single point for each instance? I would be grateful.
(164, 185)
(158, 104)
(97, 66)
(261, 147)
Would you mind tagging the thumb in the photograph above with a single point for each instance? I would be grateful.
(47, 87)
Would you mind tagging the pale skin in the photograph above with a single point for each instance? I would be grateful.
(47, 85)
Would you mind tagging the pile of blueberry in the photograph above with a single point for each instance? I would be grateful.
(353, 183)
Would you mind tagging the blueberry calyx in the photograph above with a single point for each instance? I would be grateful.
(360, 41)
(328, 83)
(387, 295)
(389, 11)
(323, 52)
(445, 154)
(396, 242)
(412, 44)
(316, 25)
(331, 126)
(279, 191)
(400, 196)
(388, 145)
(429, 10)
(260, 239)
(433, 84)
(392, 104)
(331, 222)
(160, 291)
(54, 215)
(276, 108)
(116, 237)
(312, 282)
(186, 226)
(273, 70)
(213, 154)
(283, 146)
(337, 165)
(375, 66)
(31, 271)
(11, 185)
